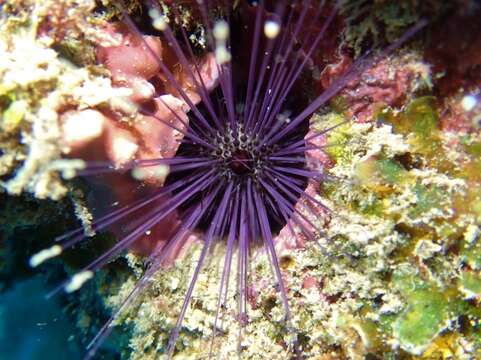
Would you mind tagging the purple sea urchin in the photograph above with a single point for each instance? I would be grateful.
(241, 167)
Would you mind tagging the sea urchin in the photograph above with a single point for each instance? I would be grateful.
(241, 167)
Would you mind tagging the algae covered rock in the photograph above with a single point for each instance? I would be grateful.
(426, 314)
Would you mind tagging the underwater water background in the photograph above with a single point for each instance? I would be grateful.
(34, 328)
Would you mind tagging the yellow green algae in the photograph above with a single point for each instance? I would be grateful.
(416, 180)
(397, 270)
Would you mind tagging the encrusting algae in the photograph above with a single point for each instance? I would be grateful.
(396, 272)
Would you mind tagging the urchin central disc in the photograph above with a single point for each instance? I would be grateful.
(239, 153)
(241, 163)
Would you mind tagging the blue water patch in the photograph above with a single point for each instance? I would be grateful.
(33, 328)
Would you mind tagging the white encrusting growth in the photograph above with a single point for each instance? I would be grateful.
(221, 30)
(271, 29)
(78, 280)
(82, 126)
(469, 102)
(124, 149)
(44, 255)
(222, 55)
(68, 168)
(159, 21)
(221, 34)
(158, 172)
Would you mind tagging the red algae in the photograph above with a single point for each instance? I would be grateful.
(133, 64)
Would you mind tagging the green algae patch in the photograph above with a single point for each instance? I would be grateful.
(427, 199)
(473, 256)
(470, 284)
(423, 117)
(419, 122)
(391, 171)
(14, 114)
(380, 172)
(339, 104)
(473, 148)
(424, 318)
(420, 118)
(336, 139)
(471, 247)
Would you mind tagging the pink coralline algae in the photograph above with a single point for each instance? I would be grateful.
(104, 136)
(133, 65)
(390, 82)
(308, 211)
(457, 117)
